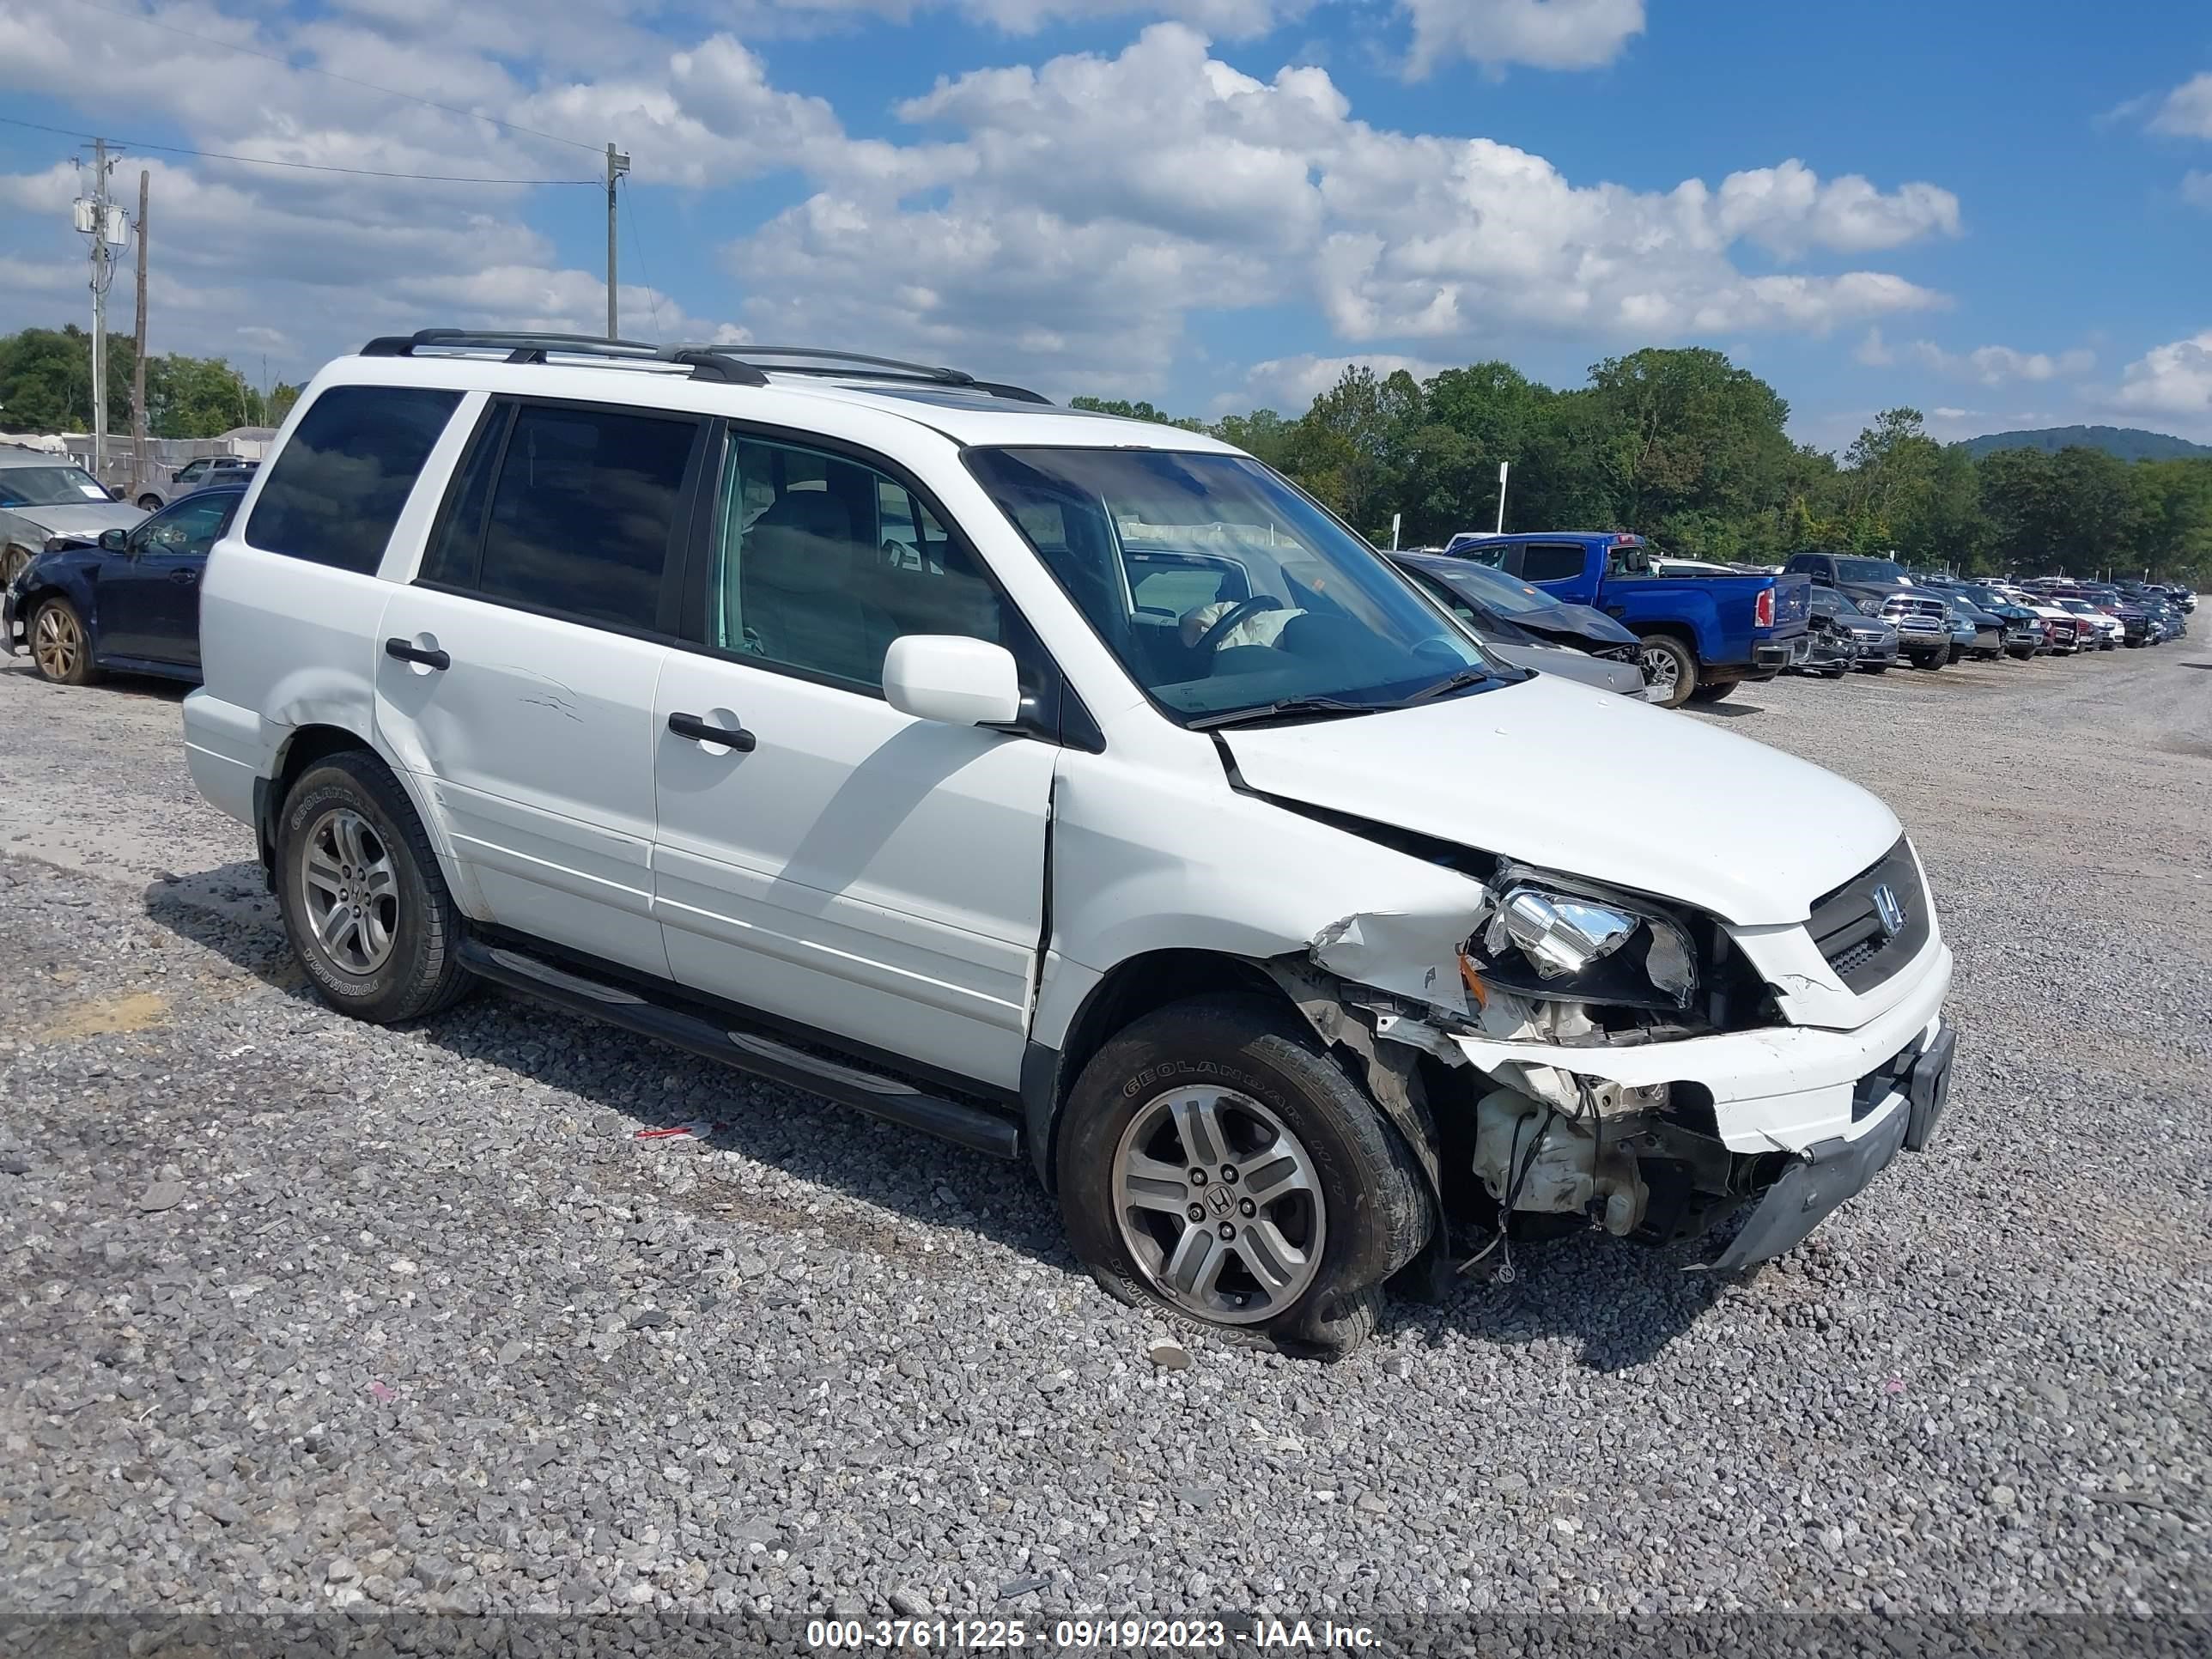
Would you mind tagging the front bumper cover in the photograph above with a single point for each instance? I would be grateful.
(1825, 1176)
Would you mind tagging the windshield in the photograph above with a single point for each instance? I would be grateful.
(48, 486)
(1496, 590)
(1871, 570)
(1220, 587)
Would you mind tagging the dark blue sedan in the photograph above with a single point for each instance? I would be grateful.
(129, 602)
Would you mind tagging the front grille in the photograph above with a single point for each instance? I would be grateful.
(1849, 929)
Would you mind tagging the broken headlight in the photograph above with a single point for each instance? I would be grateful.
(1551, 943)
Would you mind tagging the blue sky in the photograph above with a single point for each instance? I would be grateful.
(2001, 214)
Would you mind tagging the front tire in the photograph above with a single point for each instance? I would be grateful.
(60, 647)
(1711, 693)
(12, 561)
(1215, 1164)
(1931, 660)
(364, 902)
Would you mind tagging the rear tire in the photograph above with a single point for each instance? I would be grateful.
(1670, 669)
(364, 902)
(1325, 1203)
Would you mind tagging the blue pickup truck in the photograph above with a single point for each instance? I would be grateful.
(1702, 635)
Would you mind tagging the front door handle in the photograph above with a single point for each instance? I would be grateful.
(406, 652)
(187, 575)
(696, 730)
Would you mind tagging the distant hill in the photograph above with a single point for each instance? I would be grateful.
(2129, 443)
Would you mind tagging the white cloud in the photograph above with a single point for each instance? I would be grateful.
(2186, 111)
(1089, 205)
(1560, 34)
(2174, 379)
(2197, 189)
(1061, 221)
(1290, 384)
(1874, 351)
(1996, 365)
(1787, 210)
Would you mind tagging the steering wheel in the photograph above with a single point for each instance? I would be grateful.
(1235, 614)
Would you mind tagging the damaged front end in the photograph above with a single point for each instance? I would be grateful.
(1559, 1046)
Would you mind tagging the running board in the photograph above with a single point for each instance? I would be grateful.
(893, 1099)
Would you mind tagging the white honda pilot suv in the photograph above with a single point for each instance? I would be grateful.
(1070, 786)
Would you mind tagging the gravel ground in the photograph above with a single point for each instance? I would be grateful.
(296, 1314)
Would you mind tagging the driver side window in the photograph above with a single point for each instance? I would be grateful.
(189, 527)
(821, 561)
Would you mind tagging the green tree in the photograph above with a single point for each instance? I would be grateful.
(1263, 434)
(1137, 411)
(45, 380)
(1695, 450)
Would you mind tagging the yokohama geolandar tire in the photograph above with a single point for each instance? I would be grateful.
(1215, 1164)
(364, 902)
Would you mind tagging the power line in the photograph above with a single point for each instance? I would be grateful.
(637, 246)
(352, 81)
(302, 167)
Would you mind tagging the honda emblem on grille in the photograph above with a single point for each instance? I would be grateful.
(1888, 912)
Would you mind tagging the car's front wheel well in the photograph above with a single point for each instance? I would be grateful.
(1132, 990)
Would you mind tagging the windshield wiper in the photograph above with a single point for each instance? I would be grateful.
(1459, 681)
(1287, 705)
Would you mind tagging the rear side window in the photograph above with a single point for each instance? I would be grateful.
(1550, 562)
(581, 512)
(337, 486)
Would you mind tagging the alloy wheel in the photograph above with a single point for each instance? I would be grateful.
(1219, 1205)
(1662, 672)
(351, 891)
(56, 642)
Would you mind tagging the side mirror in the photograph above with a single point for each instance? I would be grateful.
(113, 541)
(953, 679)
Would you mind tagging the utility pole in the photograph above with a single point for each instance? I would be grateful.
(617, 164)
(103, 220)
(139, 470)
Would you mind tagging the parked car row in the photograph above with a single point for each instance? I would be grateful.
(1943, 620)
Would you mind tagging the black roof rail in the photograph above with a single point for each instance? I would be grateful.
(732, 365)
(824, 360)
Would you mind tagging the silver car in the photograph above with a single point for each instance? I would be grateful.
(44, 497)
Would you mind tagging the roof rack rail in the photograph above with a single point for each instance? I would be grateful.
(706, 361)
(532, 346)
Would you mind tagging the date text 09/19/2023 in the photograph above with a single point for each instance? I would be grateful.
(1087, 1635)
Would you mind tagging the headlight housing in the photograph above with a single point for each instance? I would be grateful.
(1555, 942)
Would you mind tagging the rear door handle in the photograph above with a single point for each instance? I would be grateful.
(406, 652)
(696, 730)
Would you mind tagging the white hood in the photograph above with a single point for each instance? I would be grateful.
(1591, 784)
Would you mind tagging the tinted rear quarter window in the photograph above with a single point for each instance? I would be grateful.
(1551, 561)
(338, 485)
(582, 511)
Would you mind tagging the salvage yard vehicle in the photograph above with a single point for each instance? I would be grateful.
(1295, 944)
(1882, 588)
(43, 500)
(1526, 627)
(1832, 639)
(1704, 634)
(127, 602)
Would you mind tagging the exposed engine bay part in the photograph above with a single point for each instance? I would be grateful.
(1534, 1159)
